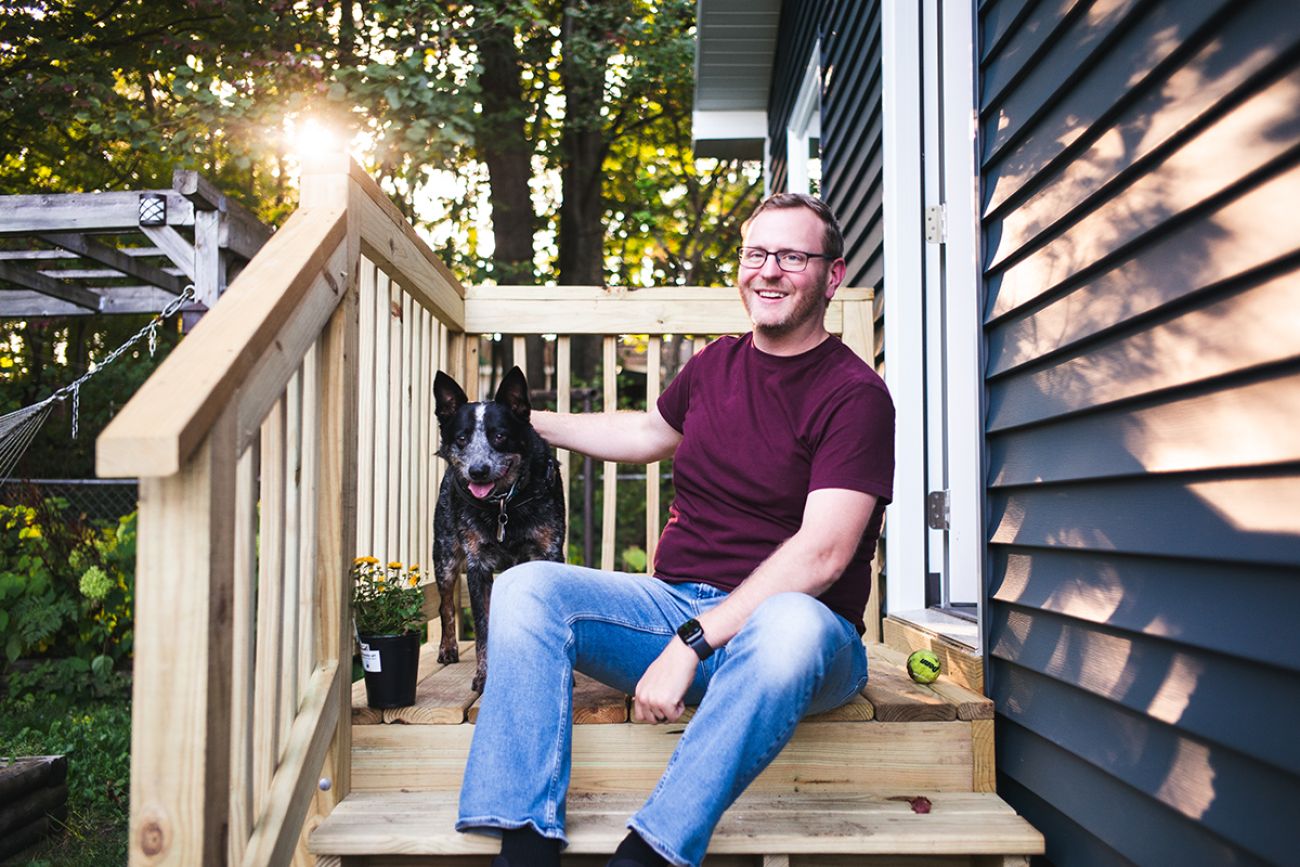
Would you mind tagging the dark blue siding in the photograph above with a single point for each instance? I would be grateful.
(852, 180)
(1140, 174)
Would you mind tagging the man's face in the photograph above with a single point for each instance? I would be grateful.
(783, 302)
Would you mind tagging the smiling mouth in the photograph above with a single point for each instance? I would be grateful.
(769, 294)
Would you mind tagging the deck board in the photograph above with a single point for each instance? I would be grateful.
(422, 823)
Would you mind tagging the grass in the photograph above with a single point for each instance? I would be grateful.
(95, 734)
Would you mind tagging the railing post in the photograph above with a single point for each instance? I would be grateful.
(180, 736)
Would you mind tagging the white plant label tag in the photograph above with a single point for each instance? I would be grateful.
(370, 659)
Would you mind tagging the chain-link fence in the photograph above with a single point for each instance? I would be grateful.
(92, 499)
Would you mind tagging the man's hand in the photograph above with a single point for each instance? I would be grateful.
(661, 690)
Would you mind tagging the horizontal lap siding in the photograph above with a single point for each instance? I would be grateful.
(851, 125)
(800, 27)
(1140, 175)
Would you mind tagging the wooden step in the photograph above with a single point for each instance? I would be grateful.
(806, 829)
(443, 696)
(897, 735)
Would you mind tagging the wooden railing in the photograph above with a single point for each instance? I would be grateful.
(290, 432)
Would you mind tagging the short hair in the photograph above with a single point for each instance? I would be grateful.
(832, 234)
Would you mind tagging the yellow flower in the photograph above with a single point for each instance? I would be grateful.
(359, 561)
(415, 579)
(379, 578)
(415, 567)
(393, 564)
(371, 560)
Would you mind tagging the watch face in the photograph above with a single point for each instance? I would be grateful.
(690, 631)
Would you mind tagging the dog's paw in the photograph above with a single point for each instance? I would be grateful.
(477, 683)
(447, 655)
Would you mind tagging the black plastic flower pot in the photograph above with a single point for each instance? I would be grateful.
(391, 664)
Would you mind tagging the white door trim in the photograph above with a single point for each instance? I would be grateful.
(904, 257)
(964, 302)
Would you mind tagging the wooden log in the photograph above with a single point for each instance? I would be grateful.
(31, 806)
(28, 835)
(28, 773)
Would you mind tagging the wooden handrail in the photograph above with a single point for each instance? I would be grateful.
(173, 411)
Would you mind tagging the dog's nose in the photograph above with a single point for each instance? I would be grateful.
(480, 472)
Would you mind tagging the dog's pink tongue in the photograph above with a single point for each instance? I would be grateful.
(481, 490)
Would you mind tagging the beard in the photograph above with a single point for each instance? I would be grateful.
(806, 305)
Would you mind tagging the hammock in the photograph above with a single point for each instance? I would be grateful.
(19, 428)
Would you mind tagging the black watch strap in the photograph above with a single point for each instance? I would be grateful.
(692, 634)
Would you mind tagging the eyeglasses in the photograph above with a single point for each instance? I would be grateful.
(786, 260)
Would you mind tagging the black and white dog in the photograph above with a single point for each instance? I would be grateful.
(501, 501)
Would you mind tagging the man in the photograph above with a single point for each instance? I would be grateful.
(783, 447)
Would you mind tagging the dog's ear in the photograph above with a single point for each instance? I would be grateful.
(513, 393)
(448, 396)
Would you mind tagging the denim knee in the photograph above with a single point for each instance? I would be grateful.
(521, 598)
(791, 637)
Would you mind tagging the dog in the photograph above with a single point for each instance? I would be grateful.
(501, 501)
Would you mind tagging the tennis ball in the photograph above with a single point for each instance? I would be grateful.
(923, 666)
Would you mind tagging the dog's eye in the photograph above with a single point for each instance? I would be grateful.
(498, 439)
(461, 439)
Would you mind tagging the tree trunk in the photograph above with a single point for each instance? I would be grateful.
(586, 50)
(504, 147)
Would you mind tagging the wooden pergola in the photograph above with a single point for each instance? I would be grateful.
(77, 254)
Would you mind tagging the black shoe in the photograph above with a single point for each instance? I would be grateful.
(635, 852)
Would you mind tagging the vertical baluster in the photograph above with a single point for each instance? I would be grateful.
(309, 475)
(423, 417)
(379, 466)
(270, 605)
(366, 418)
(243, 626)
(406, 512)
(519, 350)
(396, 434)
(292, 541)
(609, 510)
(653, 353)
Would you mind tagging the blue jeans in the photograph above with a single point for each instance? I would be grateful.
(793, 657)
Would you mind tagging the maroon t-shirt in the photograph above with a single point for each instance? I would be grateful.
(759, 432)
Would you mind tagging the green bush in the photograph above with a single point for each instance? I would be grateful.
(66, 591)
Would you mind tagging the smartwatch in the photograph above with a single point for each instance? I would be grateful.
(692, 634)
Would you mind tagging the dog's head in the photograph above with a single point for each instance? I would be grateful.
(485, 443)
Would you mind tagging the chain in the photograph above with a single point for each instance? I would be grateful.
(150, 330)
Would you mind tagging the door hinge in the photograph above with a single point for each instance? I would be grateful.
(936, 510)
(936, 224)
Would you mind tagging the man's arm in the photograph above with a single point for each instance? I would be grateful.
(810, 561)
(627, 437)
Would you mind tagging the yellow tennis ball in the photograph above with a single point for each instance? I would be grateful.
(923, 666)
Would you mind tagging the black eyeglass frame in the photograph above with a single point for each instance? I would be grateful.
(740, 255)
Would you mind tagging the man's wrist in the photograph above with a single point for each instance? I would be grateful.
(691, 633)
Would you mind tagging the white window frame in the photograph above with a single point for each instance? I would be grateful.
(804, 124)
(909, 262)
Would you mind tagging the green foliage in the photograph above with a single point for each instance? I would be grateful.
(95, 735)
(66, 593)
(39, 356)
(386, 600)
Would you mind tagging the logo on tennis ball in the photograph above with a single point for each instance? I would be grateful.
(923, 666)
